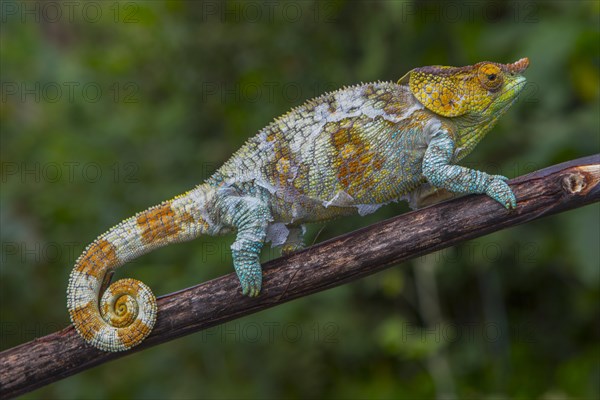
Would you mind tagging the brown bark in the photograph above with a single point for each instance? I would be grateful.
(334, 262)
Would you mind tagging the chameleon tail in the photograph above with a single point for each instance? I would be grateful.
(126, 312)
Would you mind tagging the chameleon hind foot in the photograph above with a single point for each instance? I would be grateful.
(249, 272)
(250, 217)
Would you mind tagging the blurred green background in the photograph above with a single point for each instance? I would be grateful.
(109, 108)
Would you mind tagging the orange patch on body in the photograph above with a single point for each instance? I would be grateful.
(86, 320)
(98, 255)
(283, 169)
(161, 223)
(355, 161)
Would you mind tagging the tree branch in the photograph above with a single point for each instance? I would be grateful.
(332, 263)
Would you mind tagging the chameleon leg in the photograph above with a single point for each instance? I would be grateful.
(438, 170)
(250, 217)
(294, 241)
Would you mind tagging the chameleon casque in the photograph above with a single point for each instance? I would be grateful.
(345, 152)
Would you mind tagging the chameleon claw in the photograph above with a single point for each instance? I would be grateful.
(511, 204)
(499, 190)
(251, 286)
(251, 291)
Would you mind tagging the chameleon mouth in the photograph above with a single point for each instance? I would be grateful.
(516, 86)
(509, 94)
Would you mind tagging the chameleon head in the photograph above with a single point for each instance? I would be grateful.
(481, 91)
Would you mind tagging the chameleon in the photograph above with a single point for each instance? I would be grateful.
(346, 152)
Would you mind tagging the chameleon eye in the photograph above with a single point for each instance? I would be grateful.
(490, 77)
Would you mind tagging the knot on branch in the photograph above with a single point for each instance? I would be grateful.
(581, 180)
(574, 183)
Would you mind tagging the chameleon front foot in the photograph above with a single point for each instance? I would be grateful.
(440, 172)
(499, 190)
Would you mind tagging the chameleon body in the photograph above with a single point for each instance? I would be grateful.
(346, 152)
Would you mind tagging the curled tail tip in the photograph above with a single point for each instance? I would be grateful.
(125, 314)
(123, 319)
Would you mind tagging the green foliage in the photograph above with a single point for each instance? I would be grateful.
(163, 93)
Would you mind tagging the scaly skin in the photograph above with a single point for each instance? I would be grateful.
(346, 152)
